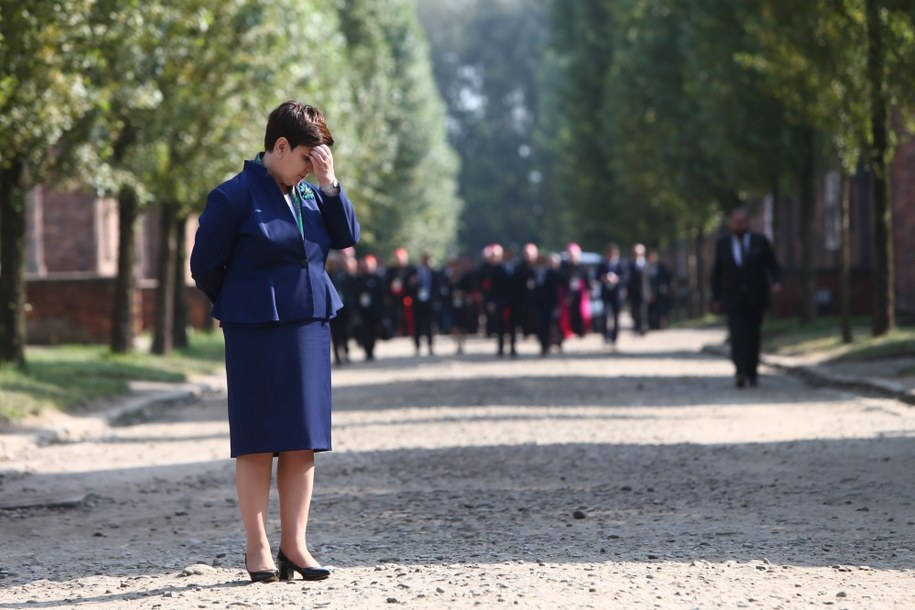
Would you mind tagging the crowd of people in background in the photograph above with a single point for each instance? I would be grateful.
(552, 296)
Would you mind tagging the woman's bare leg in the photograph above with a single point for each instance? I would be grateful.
(295, 476)
(252, 480)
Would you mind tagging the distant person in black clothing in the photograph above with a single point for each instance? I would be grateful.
(342, 271)
(523, 284)
(370, 289)
(542, 301)
(494, 286)
(638, 289)
(744, 264)
(513, 311)
(611, 273)
(575, 284)
(396, 275)
(556, 293)
(660, 283)
(459, 278)
(424, 290)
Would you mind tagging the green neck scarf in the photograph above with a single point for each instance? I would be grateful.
(297, 199)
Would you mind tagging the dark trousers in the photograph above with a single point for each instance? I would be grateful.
(658, 312)
(493, 318)
(368, 327)
(654, 315)
(422, 322)
(513, 321)
(744, 326)
(339, 331)
(611, 320)
(639, 310)
(397, 317)
(544, 320)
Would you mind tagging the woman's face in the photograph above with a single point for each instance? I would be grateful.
(298, 164)
(292, 164)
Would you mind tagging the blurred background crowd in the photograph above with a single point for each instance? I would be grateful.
(507, 296)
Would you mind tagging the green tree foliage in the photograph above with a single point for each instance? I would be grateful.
(697, 130)
(159, 101)
(487, 57)
(582, 179)
(203, 80)
(170, 81)
(396, 145)
(676, 111)
(44, 95)
(848, 68)
(661, 117)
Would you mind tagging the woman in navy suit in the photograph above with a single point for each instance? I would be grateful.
(259, 255)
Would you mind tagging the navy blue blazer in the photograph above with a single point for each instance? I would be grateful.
(744, 286)
(610, 292)
(250, 259)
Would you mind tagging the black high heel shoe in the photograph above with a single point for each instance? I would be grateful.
(287, 568)
(262, 576)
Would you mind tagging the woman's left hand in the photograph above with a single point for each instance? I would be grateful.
(322, 163)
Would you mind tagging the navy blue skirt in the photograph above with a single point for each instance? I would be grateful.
(279, 387)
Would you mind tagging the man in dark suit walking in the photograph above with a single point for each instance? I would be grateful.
(370, 289)
(744, 264)
(424, 290)
(660, 280)
(638, 288)
(611, 273)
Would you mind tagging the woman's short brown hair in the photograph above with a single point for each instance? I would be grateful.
(299, 124)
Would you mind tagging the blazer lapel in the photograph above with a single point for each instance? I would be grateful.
(276, 218)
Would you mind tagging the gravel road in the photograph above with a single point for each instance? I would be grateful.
(639, 479)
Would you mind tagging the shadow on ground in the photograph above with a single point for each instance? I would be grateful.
(805, 503)
(405, 362)
(657, 390)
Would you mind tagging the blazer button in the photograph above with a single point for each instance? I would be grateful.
(304, 262)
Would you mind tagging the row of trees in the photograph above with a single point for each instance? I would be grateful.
(488, 59)
(155, 102)
(671, 112)
(595, 120)
(646, 119)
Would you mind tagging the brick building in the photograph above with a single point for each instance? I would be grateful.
(902, 185)
(71, 264)
(827, 227)
(782, 223)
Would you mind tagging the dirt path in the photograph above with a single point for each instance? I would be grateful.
(640, 479)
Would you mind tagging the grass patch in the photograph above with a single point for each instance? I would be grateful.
(707, 321)
(897, 344)
(790, 337)
(69, 377)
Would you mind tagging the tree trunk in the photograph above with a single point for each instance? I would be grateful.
(692, 285)
(777, 226)
(808, 207)
(123, 324)
(165, 294)
(12, 263)
(884, 316)
(776, 217)
(179, 336)
(700, 271)
(845, 259)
